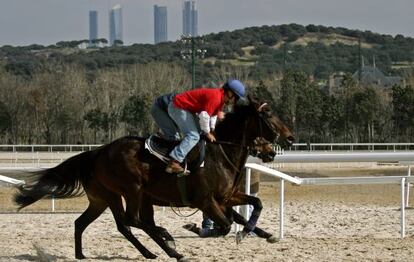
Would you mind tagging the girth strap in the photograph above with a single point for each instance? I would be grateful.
(182, 188)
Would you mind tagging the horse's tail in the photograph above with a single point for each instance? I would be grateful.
(63, 181)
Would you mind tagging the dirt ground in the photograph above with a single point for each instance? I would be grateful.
(322, 223)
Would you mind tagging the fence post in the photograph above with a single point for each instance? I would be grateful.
(408, 186)
(402, 207)
(247, 192)
(281, 204)
(236, 226)
(53, 204)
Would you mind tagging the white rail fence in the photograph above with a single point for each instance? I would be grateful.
(352, 147)
(12, 181)
(403, 158)
(295, 147)
(47, 148)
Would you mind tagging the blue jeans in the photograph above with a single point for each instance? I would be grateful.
(188, 127)
(164, 122)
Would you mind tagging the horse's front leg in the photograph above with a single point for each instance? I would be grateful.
(240, 198)
(239, 219)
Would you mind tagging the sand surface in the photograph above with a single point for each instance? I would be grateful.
(322, 223)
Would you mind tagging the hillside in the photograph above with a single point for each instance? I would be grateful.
(328, 39)
(315, 50)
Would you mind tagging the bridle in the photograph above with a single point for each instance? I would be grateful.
(265, 117)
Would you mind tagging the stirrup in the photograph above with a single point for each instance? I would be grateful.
(186, 172)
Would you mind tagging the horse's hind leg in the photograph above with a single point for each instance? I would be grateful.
(118, 213)
(146, 215)
(132, 195)
(93, 211)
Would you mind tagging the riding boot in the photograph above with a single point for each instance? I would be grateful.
(174, 167)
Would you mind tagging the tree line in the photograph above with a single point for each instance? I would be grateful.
(64, 104)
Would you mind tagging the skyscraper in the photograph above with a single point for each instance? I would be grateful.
(190, 19)
(115, 24)
(93, 27)
(160, 24)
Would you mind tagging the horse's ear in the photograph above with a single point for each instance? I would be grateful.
(254, 102)
(262, 107)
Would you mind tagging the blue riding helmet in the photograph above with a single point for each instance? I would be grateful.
(237, 87)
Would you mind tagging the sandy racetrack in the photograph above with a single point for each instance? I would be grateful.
(329, 223)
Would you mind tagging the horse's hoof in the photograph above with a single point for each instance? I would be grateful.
(80, 256)
(272, 239)
(170, 244)
(190, 226)
(193, 228)
(184, 259)
(150, 256)
(239, 236)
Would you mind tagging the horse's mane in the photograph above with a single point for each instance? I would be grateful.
(237, 116)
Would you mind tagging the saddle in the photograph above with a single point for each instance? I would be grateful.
(161, 148)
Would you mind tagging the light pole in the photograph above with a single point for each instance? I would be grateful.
(191, 53)
(285, 52)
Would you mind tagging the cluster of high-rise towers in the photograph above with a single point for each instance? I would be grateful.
(190, 23)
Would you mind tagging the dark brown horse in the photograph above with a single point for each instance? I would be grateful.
(125, 169)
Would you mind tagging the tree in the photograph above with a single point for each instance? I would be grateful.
(97, 120)
(309, 112)
(403, 113)
(364, 109)
(333, 118)
(291, 85)
(136, 114)
(5, 119)
(118, 42)
(262, 93)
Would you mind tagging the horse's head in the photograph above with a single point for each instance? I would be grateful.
(261, 122)
(252, 120)
(263, 149)
(272, 127)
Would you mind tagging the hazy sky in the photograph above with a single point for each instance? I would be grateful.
(24, 22)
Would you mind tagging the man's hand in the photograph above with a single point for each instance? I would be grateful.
(211, 137)
(221, 115)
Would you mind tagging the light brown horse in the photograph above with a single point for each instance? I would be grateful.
(125, 169)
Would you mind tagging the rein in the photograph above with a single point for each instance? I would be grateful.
(238, 177)
(178, 212)
(228, 160)
(219, 142)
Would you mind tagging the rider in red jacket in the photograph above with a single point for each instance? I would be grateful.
(175, 114)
